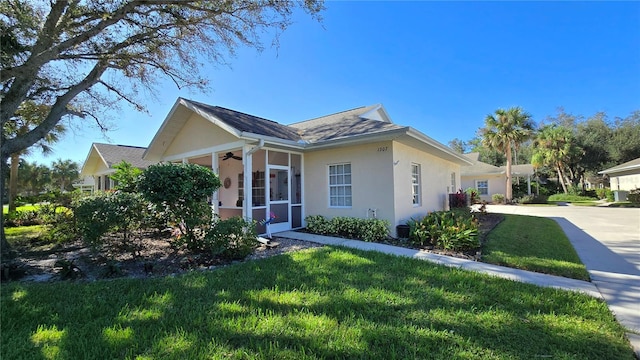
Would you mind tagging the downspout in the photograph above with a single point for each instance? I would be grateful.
(256, 148)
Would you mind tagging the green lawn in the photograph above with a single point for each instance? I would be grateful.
(5, 208)
(535, 244)
(313, 304)
(27, 238)
(576, 202)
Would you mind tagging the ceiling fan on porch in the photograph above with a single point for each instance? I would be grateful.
(230, 155)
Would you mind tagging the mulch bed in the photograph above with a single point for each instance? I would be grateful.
(151, 255)
(487, 222)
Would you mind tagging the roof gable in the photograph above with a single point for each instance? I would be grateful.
(110, 154)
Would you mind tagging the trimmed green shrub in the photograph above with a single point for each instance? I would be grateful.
(125, 176)
(497, 198)
(181, 191)
(372, 230)
(318, 224)
(61, 221)
(609, 195)
(569, 197)
(102, 213)
(634, 196)
(445, 230)
(533, 199)
(233, 238)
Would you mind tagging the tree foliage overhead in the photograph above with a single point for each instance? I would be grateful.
(80, 56)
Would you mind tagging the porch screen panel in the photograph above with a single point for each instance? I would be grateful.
(296, 179)
(259, 215)
(296, 216)
(281, 213)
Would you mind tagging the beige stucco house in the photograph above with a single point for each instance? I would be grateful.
(99, 163)
(352, 163)
(488, 179)
(624, 177)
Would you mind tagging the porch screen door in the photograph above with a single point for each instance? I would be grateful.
(278, 204)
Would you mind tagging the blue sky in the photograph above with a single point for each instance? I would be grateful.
(439, 67)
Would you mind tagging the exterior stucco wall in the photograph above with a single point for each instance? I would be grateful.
(371, 178)
(625, 182)
(435, 182)
(497, 184)
(197, 133)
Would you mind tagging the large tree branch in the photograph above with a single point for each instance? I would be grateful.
(58, 110)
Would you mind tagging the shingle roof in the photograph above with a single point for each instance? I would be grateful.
(482, 168)
(331, 127)
(342, 125)
(249, 123)
(359, 124)
(114, 154)
(479, 167)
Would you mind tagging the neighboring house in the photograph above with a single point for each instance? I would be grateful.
(102, 157)
(624, 177)
(488, 179)
(86, 184)
(354, 163)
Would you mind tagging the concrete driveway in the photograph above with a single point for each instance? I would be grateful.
(608, 243)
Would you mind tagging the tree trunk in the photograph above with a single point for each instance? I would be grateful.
(509, 190)
(5, 248)
(560, 179)
(13, 182)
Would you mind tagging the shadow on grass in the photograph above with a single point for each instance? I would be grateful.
(323, 303)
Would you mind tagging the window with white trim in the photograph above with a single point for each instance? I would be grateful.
(415, 184)
(483, 187)
(453, 182)
(340, 185)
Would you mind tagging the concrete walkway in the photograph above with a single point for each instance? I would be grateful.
(607, 242)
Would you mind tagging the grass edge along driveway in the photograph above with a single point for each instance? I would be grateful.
(535, 244)
(312, 304)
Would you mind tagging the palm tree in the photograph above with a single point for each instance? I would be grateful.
(28, 116)
(33, 178)
(64, 173)
(504, 131)
(554, 146)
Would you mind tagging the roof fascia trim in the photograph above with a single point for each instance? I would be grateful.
(244, 135)
(614, 170)
(212, 118)
(84, 164)
(174, 108)
(429, 141)
(379, 136)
